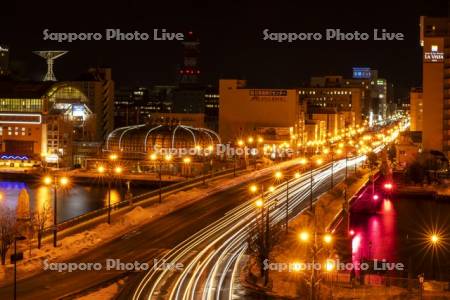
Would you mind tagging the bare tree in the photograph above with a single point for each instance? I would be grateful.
(264, 235)
(39, 220)
(7, 230)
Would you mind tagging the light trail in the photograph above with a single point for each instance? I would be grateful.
(212, 255)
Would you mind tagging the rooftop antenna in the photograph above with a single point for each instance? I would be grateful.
(50, 56)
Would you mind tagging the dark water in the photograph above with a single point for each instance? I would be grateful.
(76, 200)
(399, 230)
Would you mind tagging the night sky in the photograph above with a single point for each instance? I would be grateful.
(230, 34)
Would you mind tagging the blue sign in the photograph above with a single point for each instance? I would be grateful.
(362, 73)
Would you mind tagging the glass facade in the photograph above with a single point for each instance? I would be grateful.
(21, 105)
(67, 94)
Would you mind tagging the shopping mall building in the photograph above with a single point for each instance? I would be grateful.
(47, 123)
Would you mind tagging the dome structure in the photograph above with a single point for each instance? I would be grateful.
(133, 141)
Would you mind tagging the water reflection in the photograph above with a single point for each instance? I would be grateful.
(72, 202)
(375, 234)
(396, 232)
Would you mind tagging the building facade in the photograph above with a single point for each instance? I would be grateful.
(435, 41)
(416, 109)
(247, 111)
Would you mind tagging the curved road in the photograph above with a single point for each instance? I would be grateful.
(211, 257)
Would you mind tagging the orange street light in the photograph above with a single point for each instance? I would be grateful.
(101, 169)
(47, 180)
(303, 236)
(64, 181)
(253, 188)
(259, 203)
(328, 238)
(118, 170)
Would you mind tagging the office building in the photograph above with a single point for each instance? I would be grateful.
(275, 114)
(434, 39)
(416, 109)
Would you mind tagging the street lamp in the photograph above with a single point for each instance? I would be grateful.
(55, 182)
(327, 239)
(278, 176)
(154, 157)
(435, 239)
(110, 173)
(187, 161)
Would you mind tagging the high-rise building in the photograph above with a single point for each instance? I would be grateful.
(416, 109)
(435, 39)
(4, 60)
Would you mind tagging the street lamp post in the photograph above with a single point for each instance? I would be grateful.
(16, 258)
(278, 175)
(55, 182)
(265, 230)
(315, 249)
(155, 157)
(117, 171)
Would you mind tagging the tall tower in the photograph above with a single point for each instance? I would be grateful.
(4, 60)
(189, 73)
(50, 56)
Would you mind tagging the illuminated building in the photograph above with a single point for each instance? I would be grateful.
(4, 60)
(434, 39)
(344, 100)
(245, 111)
(51, 121)
(136, 142)
(97, 87)
(416, 109)
(374, 90)
(333, 120)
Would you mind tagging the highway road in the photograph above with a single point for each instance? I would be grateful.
(212, 256)
(145, 244)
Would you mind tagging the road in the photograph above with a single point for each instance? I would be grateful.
(150, 241)
(212, 256)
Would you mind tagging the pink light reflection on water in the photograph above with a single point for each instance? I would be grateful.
(375, 235)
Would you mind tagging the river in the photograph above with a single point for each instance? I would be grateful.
(73, 201)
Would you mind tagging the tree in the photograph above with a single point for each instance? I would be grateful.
(372, 160)
(415, 172)
(7, 230)
(392, 153)
(263, 237)
(23, 216)
(39, 220)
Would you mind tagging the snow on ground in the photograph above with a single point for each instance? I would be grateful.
(79, 243)
(107, 293)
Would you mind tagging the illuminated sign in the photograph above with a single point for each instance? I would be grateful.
(13, 157)
(268, 95)
(52, 158)
(362, 73)
(434, 55)
(20, 118)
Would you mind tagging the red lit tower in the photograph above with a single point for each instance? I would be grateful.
(189, 72)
